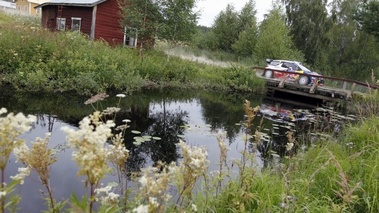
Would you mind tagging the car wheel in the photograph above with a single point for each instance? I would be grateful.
(303, 80)
(268, 74)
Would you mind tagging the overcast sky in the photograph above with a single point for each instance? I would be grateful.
(209, 9)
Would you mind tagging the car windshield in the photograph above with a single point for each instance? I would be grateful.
(304, 68)
(275, 63)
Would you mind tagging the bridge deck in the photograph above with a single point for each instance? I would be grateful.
(334, 89)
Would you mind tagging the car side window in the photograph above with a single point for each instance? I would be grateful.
(289, 66)
(294, 67)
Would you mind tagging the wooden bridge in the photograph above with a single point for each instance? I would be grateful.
(333, 89)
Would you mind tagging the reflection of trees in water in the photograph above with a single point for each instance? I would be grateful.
(223, 116)
(222, 111)
(219, 117)
(166, 125)
(45, 120)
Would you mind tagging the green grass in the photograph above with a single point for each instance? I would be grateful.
(40, 60)
(331, 176)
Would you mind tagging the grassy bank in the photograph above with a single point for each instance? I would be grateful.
(39, 60)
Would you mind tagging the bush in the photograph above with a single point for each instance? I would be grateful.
(39, 60)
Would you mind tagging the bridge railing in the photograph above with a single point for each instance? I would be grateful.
(333, 82)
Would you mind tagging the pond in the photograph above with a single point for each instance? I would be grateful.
(168, 116)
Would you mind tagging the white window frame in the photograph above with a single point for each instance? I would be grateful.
(61, 24)
(72, 24)
(128, 40)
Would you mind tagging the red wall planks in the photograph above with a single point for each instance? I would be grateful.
(108, 22)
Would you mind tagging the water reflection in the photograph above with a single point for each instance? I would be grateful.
(168, 115)
(304, 126)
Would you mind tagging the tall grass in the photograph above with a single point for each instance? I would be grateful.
(334, 176)
(36, 59)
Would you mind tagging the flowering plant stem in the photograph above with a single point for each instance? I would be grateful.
(2, 190)
(91, 197)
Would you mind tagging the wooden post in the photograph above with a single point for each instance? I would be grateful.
(349, 94)
(314, 86)
(344, 85)
(282, 81)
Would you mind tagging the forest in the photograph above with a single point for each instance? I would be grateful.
(338, 38)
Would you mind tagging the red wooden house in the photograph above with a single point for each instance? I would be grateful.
(99, 19)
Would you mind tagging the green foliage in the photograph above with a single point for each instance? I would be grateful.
(205, 40)
(352, 53)
(13, 199)
(368, 104)
(225, 28)
(331, 38)
(367, 16)
(329, 177)
(274, 40)
(79, 205)
(141, 18)
(170, 20)
(246, 42)
(247, 38)
(179, 21)
(308, 25)
(39, 60)
(242, 78)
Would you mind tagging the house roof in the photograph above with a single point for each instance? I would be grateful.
(38, 2)
(78, 3)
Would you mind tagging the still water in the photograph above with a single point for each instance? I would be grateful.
(169, 115)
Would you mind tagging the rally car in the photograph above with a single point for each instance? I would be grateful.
(294, 71)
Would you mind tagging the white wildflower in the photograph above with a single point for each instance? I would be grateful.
(194, 208)
(153, 185)
(120, 95)
(23, 172)
(167, 197)
(21, 152)
(3, 194)
(143, 181)
(195, 158)
(106, 190)
(117, 153)
(153, 201)
(3, 111)
(106, 197)
(111, 110)
(194, 165)
(141, 209)
(289, 146)
(89, 143)
(126, 121)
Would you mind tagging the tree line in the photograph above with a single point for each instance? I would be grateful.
(336, 37)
